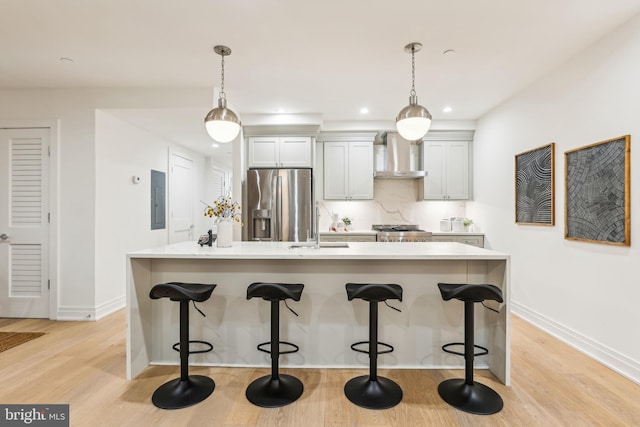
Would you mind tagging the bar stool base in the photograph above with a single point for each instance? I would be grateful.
(176, 394)
(474, 398)
(379, 394)
(272, 393)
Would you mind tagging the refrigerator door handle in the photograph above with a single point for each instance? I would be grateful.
(278, 205)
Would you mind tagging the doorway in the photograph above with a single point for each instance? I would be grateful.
(181, 183)
(24, 223)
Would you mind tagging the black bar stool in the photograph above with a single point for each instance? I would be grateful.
(466, 394)
(188, 389)
(276, 389)
(371, 391)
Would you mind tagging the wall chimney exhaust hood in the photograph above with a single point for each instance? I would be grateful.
(398, 159)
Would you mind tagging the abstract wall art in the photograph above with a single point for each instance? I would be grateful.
(534, 186)
(597, 192)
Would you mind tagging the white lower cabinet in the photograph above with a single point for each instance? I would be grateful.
(355, 237)
(473, 240)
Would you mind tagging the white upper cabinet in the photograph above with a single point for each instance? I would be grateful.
(348, 170)
(447, 166)
(447, 163)
(279, 152)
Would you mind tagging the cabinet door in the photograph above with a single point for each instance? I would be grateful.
(263, 152)
(362, 238)
(360, 173)
(295, 152)
(458, 170)
(460, 238)
(335, 170)
(447, 166)
(434, 155)
(329, 238)
(473, 240)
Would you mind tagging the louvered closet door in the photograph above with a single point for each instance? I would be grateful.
(24, 227)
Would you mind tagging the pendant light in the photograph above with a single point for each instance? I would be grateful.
(413, 121)
(222, 124)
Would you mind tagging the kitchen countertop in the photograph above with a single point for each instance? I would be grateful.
(346, 233)
(457, 233)
(373, 233)
(356, 250)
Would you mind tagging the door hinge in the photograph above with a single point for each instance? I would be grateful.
(49, 284)
(49, 150)
(49, 217)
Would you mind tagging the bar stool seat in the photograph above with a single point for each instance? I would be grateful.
(271, 391)
(373, 391)
(466, 394)
(188, 389)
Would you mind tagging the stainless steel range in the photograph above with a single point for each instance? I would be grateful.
(400, 233)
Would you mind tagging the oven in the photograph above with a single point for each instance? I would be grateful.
(400, 233)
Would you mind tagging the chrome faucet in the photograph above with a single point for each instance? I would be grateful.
(317, 226)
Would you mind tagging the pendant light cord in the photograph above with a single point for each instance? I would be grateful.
(222, 94)
(413, 72)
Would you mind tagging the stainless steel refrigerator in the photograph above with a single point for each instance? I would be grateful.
(279, 205)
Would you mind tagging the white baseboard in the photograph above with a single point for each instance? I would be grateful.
(75, 313)
(109, 307)
(618, 362)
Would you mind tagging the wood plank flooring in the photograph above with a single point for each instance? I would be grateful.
(83, 364)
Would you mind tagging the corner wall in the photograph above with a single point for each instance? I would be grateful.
(587, 294)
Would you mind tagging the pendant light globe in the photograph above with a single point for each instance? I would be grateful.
(413, 121)
(222, 123)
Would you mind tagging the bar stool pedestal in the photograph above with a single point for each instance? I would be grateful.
(466, 394)
(276, 389)
(188, 389)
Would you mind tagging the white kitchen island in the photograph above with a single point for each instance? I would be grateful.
(327, 324)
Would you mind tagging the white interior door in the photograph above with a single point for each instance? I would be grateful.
(24, 223)
(218, 184)
(181, 184)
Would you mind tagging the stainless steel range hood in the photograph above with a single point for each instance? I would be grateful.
(398, 159)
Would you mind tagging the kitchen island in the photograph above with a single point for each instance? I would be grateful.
(327, 324)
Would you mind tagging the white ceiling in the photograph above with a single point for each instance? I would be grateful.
(324, 57)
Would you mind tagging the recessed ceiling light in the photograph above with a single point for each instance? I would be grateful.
(364, 110)
(447, 109)
(449, 52)
(215, 145)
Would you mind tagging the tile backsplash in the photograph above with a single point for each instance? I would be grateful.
(395, 202)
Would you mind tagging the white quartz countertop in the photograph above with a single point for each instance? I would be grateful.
(355, 250)
(456, 233)
(346, 233)
(373, 233)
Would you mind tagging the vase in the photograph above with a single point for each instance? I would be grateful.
(225, 233)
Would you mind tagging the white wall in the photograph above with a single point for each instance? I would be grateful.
(123, 222)
(585, 293)
(75, 212)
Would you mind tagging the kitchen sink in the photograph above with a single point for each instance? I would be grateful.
(311, 245)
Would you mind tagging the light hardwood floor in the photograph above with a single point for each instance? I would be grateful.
(83, 364)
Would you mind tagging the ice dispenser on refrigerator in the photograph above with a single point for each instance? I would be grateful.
(261, 224)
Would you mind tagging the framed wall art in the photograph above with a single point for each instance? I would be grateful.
(534, 186)
(597, 192)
